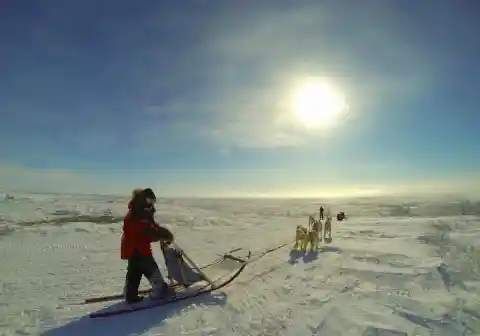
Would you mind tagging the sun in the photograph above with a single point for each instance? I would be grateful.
(317, 104)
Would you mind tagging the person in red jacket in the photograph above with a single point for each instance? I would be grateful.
(139, 231)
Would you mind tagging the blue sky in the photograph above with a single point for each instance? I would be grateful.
(104, 96)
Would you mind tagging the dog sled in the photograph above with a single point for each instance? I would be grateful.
(186, 278)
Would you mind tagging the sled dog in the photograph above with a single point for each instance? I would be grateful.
(301, 238)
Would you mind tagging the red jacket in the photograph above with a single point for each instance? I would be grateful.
(138, 233)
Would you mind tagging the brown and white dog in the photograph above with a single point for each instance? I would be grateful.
(301, 238)
(313, 240)
(314, 235)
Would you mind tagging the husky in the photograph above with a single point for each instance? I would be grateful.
(301, 238)
(314, 234)
(312, 239)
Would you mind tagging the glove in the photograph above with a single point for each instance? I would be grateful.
(177, 249)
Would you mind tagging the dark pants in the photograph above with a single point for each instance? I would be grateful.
(138, 266)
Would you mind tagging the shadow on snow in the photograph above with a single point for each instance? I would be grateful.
(324, 249)
(307, 257)
(310, 256)
(295, 255)
(132, 323)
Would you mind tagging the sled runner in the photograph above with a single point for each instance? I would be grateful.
(204, 285)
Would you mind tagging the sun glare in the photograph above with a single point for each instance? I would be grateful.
(316, 104)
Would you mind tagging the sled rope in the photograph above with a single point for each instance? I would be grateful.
(260, 255)
(255, 257)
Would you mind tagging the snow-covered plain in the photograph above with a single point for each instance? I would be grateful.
(395, 267)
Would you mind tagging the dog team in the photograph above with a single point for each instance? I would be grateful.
(313, 234)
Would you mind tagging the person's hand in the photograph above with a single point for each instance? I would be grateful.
(178, 250)
(166, 242)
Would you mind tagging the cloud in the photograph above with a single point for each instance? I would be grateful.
(249, 67)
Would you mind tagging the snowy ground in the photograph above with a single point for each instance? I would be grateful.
(395, 267)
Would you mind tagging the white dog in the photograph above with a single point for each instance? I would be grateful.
(327, 234)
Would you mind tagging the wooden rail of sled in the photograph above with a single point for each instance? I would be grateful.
(228, 256)
(194, 266)
(231, 251)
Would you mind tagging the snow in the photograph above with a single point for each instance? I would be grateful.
(397, 266)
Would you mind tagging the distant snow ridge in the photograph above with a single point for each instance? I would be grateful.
(420, 208)
(62, 220)
(38, 212)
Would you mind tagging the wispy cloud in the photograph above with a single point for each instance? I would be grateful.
(253, 65)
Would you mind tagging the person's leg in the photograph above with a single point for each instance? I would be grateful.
(132, 280)
(154, 276)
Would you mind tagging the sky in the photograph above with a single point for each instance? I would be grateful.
(193, 98)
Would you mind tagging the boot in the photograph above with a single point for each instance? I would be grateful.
(165, 292)
(134, 299)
